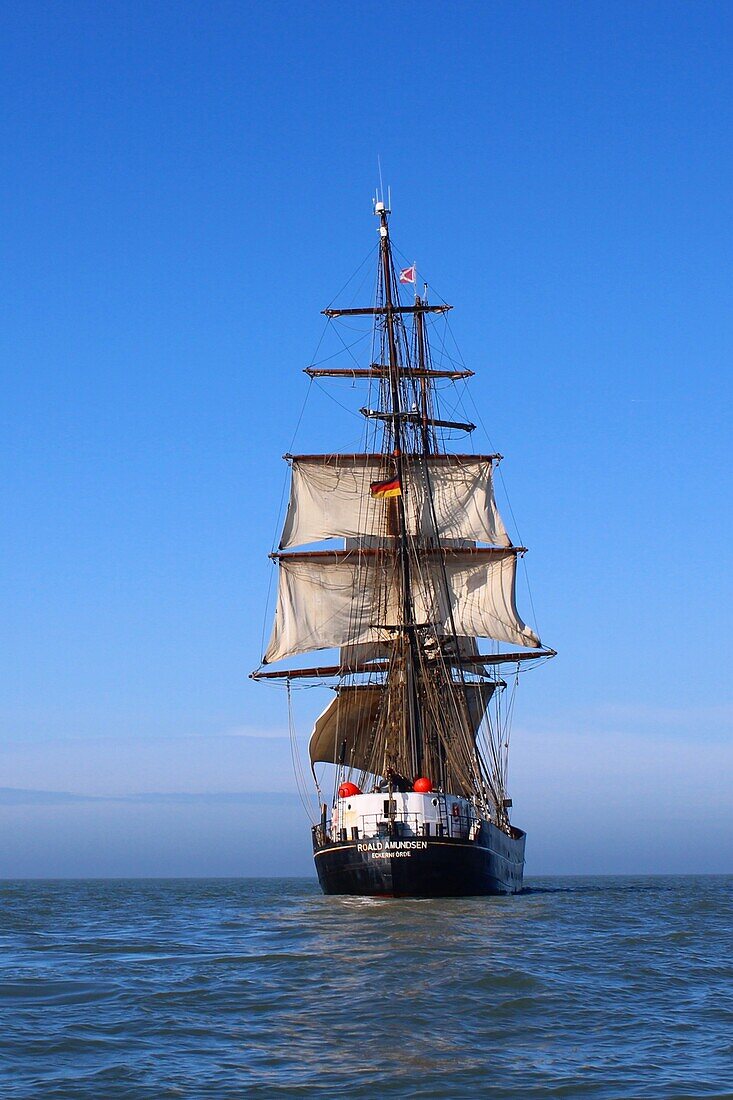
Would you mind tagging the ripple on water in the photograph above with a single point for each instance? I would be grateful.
(229, 988)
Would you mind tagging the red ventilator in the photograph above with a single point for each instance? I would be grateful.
(346, 790)
(422, 785)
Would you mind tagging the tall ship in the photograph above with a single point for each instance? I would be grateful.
(396, 559)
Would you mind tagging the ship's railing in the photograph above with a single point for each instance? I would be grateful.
(400, 824)
(409, 824)
(455, 826)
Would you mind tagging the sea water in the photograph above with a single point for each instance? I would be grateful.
(579, 987)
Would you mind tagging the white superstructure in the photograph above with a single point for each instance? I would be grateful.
(410, 814)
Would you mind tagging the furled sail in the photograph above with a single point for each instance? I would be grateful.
(330, 498)
(344, 598)
(362, 652)
(352, 716)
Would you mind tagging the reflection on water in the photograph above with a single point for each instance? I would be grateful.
(587, 987)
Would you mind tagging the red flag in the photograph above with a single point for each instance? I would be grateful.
(408, 274)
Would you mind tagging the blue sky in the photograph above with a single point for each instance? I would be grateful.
(186, 186)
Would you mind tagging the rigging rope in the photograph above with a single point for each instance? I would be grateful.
(300, 781)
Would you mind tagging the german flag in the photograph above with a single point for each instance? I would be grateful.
(385, 489)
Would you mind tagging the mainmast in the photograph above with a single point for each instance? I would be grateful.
(424, 378)
(407, 639)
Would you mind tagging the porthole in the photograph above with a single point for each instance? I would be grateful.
(435, 802)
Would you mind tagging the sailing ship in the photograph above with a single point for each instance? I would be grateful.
(417, 732)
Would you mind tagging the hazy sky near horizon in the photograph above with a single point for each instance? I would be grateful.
(186, 186)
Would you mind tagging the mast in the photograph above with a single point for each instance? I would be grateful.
(434, 747)
(411, 710)
(427, 443)
(423, 375)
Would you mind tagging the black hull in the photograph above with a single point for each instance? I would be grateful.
(423, 867)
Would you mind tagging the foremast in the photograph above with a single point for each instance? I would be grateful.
(404, 678)
(413, 677)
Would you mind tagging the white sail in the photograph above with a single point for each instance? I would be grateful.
(330, 498)
(352, 717)
(349, 598)
(331, 602)
(482, 597)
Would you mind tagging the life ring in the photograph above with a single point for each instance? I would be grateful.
(456, 810)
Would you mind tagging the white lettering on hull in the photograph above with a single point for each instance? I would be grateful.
(383, 848)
